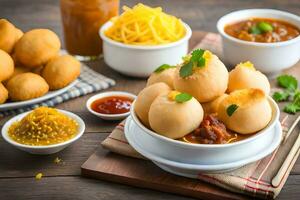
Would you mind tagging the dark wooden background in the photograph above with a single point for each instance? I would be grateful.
(17, 169)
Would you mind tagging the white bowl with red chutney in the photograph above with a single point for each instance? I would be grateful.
(110, 105)
(270, 39)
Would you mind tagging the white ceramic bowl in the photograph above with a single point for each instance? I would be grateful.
(270, 58)
(141, 61)
(207, 154)
(107, 94)
(45, 149)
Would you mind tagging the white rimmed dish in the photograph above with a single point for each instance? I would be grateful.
(108, 94)
(207, 154)
(269, 58)
(140, 142)
(43, 149)
(141, 61)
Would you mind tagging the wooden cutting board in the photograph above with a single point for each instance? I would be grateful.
(141, 173)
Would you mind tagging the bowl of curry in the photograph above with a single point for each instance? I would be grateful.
(269, 38)
(43, 130)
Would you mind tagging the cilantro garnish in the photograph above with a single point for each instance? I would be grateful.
(231, 109)
(196, 59)
(290, 92)
(163, 67)
(183, 97)
(260, 28)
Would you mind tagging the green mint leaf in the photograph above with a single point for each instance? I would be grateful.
(231, 109)
(281, 96)
(186, 70)
(287, 81)
(163, 68)
(292, 108)
(201, 62)
(183, 97)
(197, 54)
(254, 30)
(265, 27)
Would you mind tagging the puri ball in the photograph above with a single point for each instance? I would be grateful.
(166, 76)
(6, 66)
(37, 47)
(145, 99)
(174, 120)
(61, 71)
(26, 86)
(7, 35)
(206, 83)
(253, 111)
(17, 70)
(245, 76)
(212, 106)
(3, 94)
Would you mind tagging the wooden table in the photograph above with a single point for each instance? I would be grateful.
(63, 181)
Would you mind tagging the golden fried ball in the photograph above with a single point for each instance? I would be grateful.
(3, 94)
(172, 119)
(206, 83)
(212, 106)
(145, 99)
(26, 86)
(17, 70)
(37, 47)
(166, 76)
(7, 35)
(245, 76)
(6, 66)
(252, 111)
(61, 71)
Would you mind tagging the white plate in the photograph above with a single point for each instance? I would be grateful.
(49, 95)
(133, 135)
(45, 149)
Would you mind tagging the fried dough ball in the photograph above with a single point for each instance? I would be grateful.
(3, 94)
(17, 70)
(172, 119)
(212, 106)
(37, 47)
(205, 83)
(26, 86)
(61, 71)
(245, 76)
(166, 76)
(145, 99)
(245, 111)
(7, 35)
(6, 65)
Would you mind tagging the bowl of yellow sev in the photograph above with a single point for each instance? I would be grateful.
(143, 38)
(43, 130)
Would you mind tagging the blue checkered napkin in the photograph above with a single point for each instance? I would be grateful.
(89, 81)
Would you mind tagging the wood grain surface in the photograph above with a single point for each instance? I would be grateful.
(63, 181)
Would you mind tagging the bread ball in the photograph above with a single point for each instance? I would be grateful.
(37, 47)
(3, 94)
(174, 120)
(245, 111)
(166, 76)
(212, 106)
(61, 71)
(145, 99)
(6, 66)
(26, 86)
(245, 76)
(205, 83)
(7, 35)
(17, 70)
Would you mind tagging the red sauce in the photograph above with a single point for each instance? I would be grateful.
(112, 105)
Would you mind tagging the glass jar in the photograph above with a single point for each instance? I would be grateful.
(81, 21)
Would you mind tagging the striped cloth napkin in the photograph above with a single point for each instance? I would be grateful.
(253, 179)
(89, 81)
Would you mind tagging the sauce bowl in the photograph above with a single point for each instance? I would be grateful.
(209, 154)
(269, 58)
